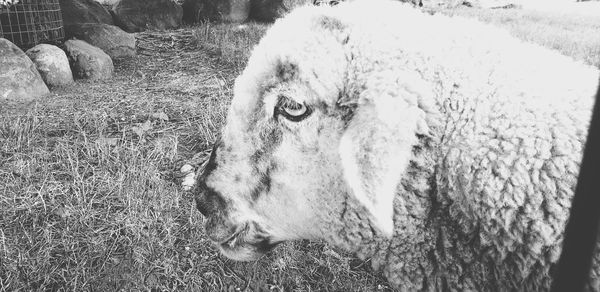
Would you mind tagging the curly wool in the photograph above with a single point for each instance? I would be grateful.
(485, 199)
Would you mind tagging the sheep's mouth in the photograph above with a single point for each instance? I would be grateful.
(247, 245)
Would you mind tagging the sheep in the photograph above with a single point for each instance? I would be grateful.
(448, 154)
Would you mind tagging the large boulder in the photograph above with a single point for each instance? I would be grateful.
(136, 15)
(111, 39)
(78, 12)
(19, 79)
(216, 10)
(88, 61)
(52, 64)
(267, 10)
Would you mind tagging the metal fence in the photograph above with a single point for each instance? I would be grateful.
(27, 23)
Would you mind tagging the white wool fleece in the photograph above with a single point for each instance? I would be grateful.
(492, 127)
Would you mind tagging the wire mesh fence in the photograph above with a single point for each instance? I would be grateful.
(27, 23)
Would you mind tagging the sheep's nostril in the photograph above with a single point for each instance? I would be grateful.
(208, 201)
(201, 206)
(200, 196)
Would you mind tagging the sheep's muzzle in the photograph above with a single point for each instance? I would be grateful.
(242, 241)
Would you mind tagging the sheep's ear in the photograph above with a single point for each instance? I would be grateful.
(376, 147)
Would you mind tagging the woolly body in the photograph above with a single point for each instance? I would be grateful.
(492, 130)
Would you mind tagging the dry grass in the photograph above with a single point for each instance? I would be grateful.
(229, 43)
(90, 196)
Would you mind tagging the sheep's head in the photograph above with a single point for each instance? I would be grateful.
(303, 134)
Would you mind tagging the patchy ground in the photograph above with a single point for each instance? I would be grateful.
(90, 196)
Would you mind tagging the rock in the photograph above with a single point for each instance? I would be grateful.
(497, 4)
(189, 177)
(471, 3)
(78, 12)
(216, 10)
(267, 10)
(52, 64)
(326, 2)
(88, 61)
(508, 6)
(111, 39)
(448, 4)
(136, 15)
(107, 2)
(19, 79)
(188, 182)
(186, 168)
(418, 3)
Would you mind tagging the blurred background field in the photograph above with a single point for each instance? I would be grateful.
(573, 32)
(89, 183)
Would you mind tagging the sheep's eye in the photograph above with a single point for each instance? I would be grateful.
(292, 110)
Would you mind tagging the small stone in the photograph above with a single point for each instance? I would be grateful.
(186, 168)
(88, 61)
(160, 116)
(52, 64)
(188, 181)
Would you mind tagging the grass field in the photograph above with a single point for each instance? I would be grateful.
(89, 182)
(573, 35)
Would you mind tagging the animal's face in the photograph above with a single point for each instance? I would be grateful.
(303, 134)
(267, 178)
